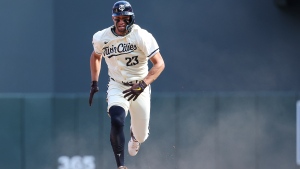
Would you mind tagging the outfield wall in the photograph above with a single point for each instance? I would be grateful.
(204, 130)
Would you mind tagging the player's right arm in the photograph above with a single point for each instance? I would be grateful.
(95, 65)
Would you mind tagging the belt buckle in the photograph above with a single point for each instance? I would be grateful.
(127, 83)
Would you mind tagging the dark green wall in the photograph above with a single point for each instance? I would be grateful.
(26, 46)
(207, 45)
(206, 130)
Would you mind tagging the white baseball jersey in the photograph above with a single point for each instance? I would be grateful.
(126, 56)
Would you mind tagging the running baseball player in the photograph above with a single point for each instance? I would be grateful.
(126, 48)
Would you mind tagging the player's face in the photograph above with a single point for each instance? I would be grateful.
(120, 23)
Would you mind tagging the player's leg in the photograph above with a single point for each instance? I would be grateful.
(117, 138)
(117, 110)
(140, 117)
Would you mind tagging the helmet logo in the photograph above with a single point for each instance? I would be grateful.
(121, 7)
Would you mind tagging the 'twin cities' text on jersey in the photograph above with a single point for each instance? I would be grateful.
(119, 49)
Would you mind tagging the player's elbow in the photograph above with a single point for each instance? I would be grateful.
(161, 65)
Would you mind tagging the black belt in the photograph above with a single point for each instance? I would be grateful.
(126, 83)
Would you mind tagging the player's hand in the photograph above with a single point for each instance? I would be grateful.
(94, 89)
(135, 90)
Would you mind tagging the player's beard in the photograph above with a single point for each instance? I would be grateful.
(122, 30)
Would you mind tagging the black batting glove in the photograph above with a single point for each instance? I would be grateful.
(94, 89)
(135, 90)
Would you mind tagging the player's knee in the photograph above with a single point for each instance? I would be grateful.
(141, 139)
(117, 115)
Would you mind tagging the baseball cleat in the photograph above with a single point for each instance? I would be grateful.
(122, 167)
(133, 145)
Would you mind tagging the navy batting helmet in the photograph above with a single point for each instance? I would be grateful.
(123, 8)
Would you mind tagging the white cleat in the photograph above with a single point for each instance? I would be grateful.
(133, 146)
(122, 167)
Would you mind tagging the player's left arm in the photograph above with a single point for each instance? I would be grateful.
(154, 72)
(157, 68)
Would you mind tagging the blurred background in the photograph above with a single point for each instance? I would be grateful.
(226, 99)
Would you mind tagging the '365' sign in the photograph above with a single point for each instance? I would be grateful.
(76, 162)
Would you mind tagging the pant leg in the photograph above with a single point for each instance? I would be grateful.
(140, 115)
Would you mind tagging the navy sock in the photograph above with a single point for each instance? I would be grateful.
(117, 138)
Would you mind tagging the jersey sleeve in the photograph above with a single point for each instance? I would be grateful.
(97, 43)
(148, 44)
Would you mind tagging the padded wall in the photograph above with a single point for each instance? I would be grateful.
(207, 130)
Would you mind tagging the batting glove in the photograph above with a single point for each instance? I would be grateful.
(135, 90)
(94, 89)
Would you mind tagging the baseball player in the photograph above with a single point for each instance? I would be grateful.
(126, 49)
